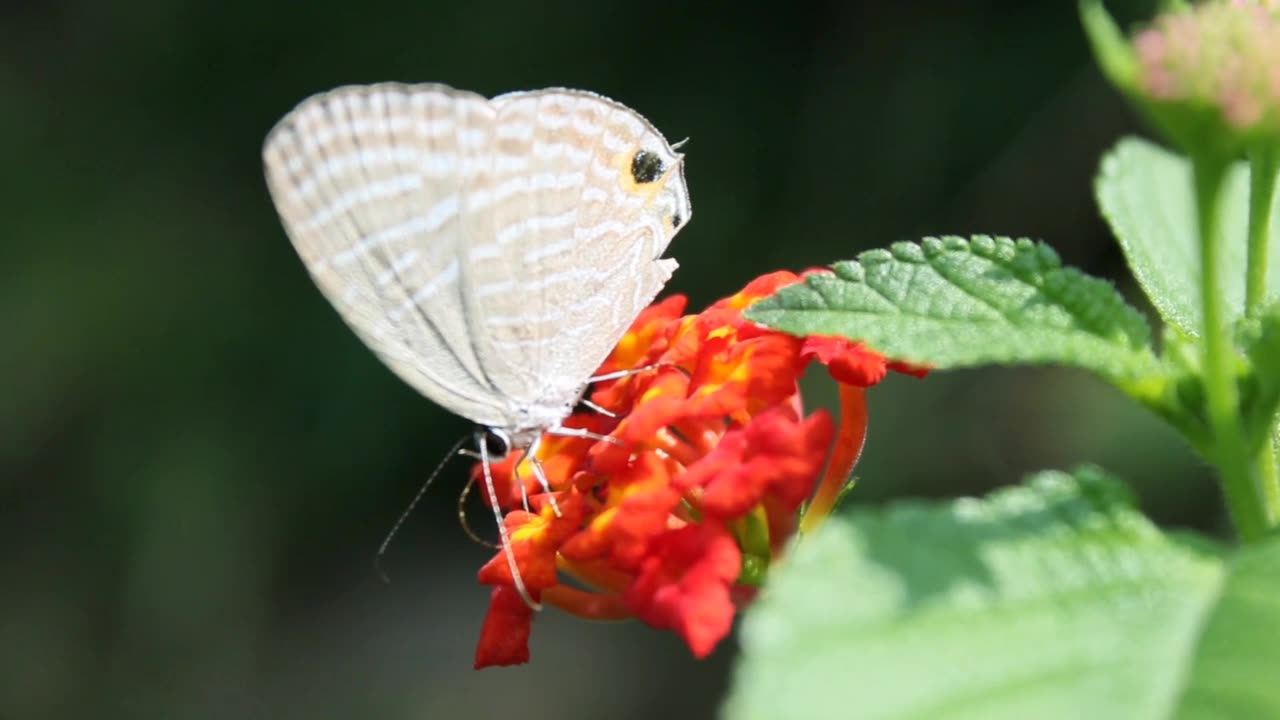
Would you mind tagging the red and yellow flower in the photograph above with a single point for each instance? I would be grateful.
(676, 517)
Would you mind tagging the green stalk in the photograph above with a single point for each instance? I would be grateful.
(1241, 481)
(1269, 481)
(1263, 166)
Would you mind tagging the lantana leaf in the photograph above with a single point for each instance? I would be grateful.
(950, 302)
(1146, 195)
(1053, 599)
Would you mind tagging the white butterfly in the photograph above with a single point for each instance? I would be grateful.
(491, 252)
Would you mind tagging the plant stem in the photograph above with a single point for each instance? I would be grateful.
(1241, 481)
(849, 441)
(1269, 481)
(1263, 166)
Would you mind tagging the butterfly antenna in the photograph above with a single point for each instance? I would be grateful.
(382, 549)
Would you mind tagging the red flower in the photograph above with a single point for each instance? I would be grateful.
(709, 460)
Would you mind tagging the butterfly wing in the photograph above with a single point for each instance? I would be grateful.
(564, 237)
(492, 253)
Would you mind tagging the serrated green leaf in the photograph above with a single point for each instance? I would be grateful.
(1055, 599)
(952, 302)
(1146, 195)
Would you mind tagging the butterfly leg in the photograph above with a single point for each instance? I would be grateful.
(541, 473)
(625, 373)
(524, 493)
(597, 408)
(581, 433)
(502, 527)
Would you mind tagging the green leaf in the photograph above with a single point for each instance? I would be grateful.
(1234, 668)
(955, 303)
(1146, 195)
(1055, 599)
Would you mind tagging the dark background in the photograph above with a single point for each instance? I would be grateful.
(198, 460)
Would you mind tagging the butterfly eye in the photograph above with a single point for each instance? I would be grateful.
(646, 167)
(676, 220)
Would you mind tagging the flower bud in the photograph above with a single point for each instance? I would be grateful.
(1224, 55)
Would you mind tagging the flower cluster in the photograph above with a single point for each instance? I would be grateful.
(708, 458)
(1223, 54)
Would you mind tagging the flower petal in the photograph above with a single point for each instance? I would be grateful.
(853, 363)
(662, 404)
(758, 289)
(737, 378)
(644, 344)
(684, 585)
(775, 455)
(848, 362)
(561, 456)
(504, 638)
(535, 540)
(638, 506)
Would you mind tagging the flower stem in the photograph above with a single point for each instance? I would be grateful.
(595, 574)
(1268, 480)
(1263, 166)
(1241, 480)
(586, 605)
(848, 447)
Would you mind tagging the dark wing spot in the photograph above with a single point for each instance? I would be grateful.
(675, 221)
(646, 167)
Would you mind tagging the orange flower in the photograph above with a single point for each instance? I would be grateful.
(675, 519)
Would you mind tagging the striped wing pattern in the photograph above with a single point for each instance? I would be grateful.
(491, 252)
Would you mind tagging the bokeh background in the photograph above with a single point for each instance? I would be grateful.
(198, 460)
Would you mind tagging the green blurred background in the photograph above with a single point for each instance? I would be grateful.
(198, 460)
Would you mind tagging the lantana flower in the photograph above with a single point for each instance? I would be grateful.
(709, 457)
(1223, 54)
(1206, 74)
